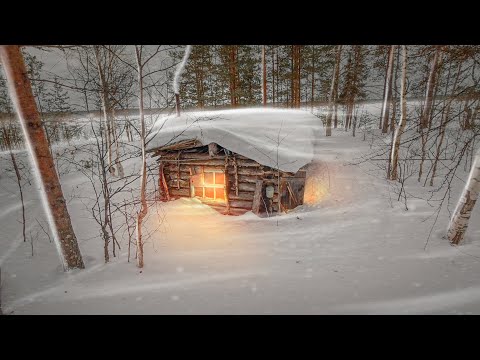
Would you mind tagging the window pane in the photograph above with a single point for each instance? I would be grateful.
(208, 178)
(209, 193)
(219, 178)
(199, 191)
(220, 194)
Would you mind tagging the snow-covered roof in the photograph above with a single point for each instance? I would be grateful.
(277, 138)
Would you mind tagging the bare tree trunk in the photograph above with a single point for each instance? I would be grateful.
(292, 77)
(348, 118)
(384, 90)
(337, 78)
(444, 122)
(354, 122)
(233, 75)
(459, 221)
(423, 139)
(118, 163)
(273, 75)
(393, 119)
(403, 119)
(388, 91)
(276, 72)
(143, 189)
(264, 77)
(17, 173)
(313, 76)
(54, 202)
(333, 91)
(6, 138)
(106, 108)
(429, 96)
(299, 78)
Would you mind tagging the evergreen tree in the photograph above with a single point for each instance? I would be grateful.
(57, 98)
(6, 106)
(34, 69)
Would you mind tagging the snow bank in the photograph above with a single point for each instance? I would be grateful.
(277, 138)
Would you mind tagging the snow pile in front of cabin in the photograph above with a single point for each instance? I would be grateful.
(279, 138)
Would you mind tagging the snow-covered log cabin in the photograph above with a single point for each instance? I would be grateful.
(233, 160)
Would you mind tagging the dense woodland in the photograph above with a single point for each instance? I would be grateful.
(427, 130)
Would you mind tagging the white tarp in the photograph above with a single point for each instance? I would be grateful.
(277, 138)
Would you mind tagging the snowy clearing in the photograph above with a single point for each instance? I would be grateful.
(351, 253)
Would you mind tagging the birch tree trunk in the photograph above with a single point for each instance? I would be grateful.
(388, 91)
(35, 139)
(331, 98)
(403, 119)
(143, 187)
(432, 78)
(118, 163)
(106, 109)
(459, 221)
(384, 90)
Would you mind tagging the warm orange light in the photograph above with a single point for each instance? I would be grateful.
(315, 190)
(209, 186)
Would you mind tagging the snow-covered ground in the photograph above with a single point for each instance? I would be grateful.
(352, 250)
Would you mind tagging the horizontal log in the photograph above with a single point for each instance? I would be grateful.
(214, 161)
(197, 152)
(251, 171)
(173, 175)
(243, 187)
(192, 156)
(183, 183)
(252, 179)
(195, 168)
(242, 195)
(244, 204)
(248, 170)
(180, 192)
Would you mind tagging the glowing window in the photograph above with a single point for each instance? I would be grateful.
(209, 185)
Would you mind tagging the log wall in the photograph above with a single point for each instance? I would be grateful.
(244, 172)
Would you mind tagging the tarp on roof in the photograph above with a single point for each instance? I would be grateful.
(279, 138)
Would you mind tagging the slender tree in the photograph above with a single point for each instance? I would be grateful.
(54, 202)
(459, 221)
(142, 61)
(429, 96)
(338, 60)
(333, 90)
(264, 77)
(143, 187)
(388, 91)
(403, 119)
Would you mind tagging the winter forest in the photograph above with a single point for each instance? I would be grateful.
(239, 179)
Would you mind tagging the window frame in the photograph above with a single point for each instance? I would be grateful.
(213, 186)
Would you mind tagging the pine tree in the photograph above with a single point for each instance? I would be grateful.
(57, 98)
(6, 106)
